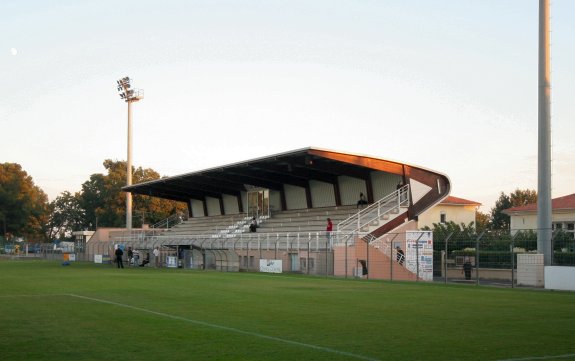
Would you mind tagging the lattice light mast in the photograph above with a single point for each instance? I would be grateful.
(130, 96)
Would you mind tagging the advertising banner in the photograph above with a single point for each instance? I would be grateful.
(419, 252)
(271, 265)
(172, 262)
(102, 258)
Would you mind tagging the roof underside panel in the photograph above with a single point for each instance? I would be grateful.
(295, 168)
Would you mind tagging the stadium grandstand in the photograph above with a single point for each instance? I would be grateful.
(291, 196)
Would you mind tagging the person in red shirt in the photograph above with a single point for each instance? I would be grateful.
(328, 230)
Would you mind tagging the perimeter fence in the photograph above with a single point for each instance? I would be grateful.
(489, 257)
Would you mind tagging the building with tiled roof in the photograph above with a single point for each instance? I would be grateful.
(451, 209)
(563, 215)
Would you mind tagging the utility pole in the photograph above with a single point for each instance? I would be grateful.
(544, 211)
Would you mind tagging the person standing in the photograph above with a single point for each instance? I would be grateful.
(156, 253)
(402, 194)
(467, 269)
(130, 256)
(119, 253)
(328, 230)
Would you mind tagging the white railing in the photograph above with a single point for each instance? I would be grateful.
(383, 244)
(376, 211)
(171, 221)
(300, 240)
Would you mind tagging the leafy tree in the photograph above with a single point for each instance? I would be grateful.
(93, 200)
(483, 221)
(66, 216)
(23, 206)
(523, 197)
(500, 220)
(563, 240)
(456, 232)
(519, 197)
(104, 201)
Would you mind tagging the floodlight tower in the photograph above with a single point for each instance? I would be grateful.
(130, 96)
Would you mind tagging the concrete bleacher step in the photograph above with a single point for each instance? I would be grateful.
(292, 221)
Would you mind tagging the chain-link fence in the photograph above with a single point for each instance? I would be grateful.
(11, 249)
(493, 257)
(490, 257)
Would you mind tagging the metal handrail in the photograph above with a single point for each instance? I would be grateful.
(171, 221)
(375, 211)
(148, 240)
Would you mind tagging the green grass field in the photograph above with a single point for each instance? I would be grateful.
(97, 312)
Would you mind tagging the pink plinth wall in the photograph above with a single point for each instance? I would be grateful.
(380, 265)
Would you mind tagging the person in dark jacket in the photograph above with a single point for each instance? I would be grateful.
(362, 201)
(130, 256)
(400, 255)
(467, 269)
(253, 224)
(119, 253)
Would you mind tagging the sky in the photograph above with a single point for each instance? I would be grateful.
(450, 85)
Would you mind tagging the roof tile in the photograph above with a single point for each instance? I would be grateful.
(459, 201)
(563, 203)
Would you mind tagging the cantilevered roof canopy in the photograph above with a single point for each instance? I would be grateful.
(295, 168)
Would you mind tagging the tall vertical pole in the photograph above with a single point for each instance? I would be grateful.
(129, 170)
(544, 136)
(129, 96)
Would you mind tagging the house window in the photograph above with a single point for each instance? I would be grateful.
(570, 226)
(251, 261)
(442, 217)
(302, 262)
(311, 263)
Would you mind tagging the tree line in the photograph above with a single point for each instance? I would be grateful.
(496, 219)
(25, 211)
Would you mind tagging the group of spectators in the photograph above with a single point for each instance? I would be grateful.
(134, 256)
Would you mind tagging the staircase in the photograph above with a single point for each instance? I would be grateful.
(372, 224)
(375, 215)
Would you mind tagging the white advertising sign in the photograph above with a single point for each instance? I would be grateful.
(171, 262)
(420, 253)
(97, 258)
(271, 265)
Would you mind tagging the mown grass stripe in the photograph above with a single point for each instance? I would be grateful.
(541, 357)
(226, 328)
